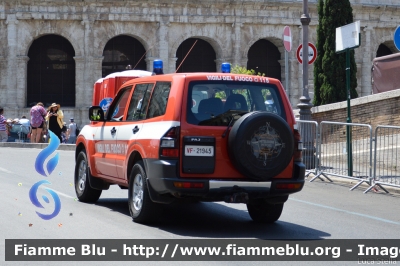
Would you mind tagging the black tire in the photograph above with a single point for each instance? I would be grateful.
(83, 190)
(260, 145)
(263, 212)
(141, 207)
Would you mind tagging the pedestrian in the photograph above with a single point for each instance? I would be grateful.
(71, 133)
(25, 126)
(64, 133)
(38, 114)
(25, 122)
(55, 120)
(3, 129)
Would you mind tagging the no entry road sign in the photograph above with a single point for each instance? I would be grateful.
(287, 38)
(312, 53)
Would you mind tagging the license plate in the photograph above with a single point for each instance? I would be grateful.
(191, 150)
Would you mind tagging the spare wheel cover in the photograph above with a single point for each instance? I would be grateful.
(260, 145)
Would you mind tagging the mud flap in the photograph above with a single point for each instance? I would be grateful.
(155, 197)
(97, 183)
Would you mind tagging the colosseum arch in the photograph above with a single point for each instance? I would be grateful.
(123, 52)
(387, 41)
(63, 32)
(263, 56)
(198, 56)
(145, 35)
(383, 50)
(216, 44)
(51, 71)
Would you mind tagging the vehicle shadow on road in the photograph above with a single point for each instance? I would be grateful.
(114, 204)
(213, 220)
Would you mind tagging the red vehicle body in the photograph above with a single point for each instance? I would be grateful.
(204, 136)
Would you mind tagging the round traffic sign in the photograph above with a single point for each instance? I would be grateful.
(396, 38)
(287, 38)
(312, 53)
(105, 103)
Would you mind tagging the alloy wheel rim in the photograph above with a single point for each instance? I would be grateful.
(137, 199)
(82, 176)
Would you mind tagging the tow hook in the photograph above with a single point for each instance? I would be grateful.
(240, 197)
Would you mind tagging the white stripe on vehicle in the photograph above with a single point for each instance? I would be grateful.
(147, 130)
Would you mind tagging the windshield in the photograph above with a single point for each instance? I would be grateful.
(217, 102)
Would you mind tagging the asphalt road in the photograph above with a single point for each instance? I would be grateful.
(321, 211)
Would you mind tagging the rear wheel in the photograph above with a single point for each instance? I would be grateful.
(83, 190)
(141, 207)
(263, 212)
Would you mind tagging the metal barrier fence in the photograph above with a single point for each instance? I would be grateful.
(309, 131)
(23, 134)
(386, 157)
(347, 158)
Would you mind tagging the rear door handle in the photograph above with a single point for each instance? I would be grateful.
(113, 130)
(135, 129)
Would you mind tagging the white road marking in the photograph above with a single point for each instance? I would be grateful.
(6, 171)
(348, 212)
(60, 193)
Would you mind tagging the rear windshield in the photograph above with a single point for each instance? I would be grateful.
(214, 102)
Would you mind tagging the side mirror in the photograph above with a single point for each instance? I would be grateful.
(96, 114)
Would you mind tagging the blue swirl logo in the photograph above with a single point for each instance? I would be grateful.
(33, 196)
(45, 153)
(51, 165)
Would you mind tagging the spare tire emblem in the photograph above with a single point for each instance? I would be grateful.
(266, 144)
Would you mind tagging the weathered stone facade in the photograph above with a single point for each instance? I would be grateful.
(377, 109)
(231, 27)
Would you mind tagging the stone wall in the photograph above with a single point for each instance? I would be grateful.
(377, 109)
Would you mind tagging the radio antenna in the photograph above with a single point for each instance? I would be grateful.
(186, 56)
(142, 57)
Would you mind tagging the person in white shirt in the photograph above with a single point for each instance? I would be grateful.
(71, 135)
(26, 124)
(270, 105)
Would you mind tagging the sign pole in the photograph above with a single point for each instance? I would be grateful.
(287, 43)
(286, 73)
(348, 128)
(348, 37)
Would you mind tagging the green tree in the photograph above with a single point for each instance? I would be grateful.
(239, 70)
(318, 74)
(242, 70)
(332, 75)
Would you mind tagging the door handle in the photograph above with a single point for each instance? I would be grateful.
(113, 130)
(135, 129)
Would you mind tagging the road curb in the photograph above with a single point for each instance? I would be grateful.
(352, 182)
(64, 147)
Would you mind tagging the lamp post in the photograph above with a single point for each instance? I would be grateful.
(305, 104)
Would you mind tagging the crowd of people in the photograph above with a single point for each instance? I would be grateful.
(36, 129)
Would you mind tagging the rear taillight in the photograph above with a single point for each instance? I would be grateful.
(188, 185)
(169, 144)
(298, 146)
(292, 186)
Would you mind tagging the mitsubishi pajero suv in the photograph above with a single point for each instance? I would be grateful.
(200, 136)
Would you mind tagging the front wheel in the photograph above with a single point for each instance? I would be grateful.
(263, 212)
(83, 190)
(141, 207)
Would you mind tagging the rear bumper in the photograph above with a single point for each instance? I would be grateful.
(162, 176)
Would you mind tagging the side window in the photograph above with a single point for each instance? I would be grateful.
(139, 102)
(118, 107)
(159, 99)
(268, 99)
